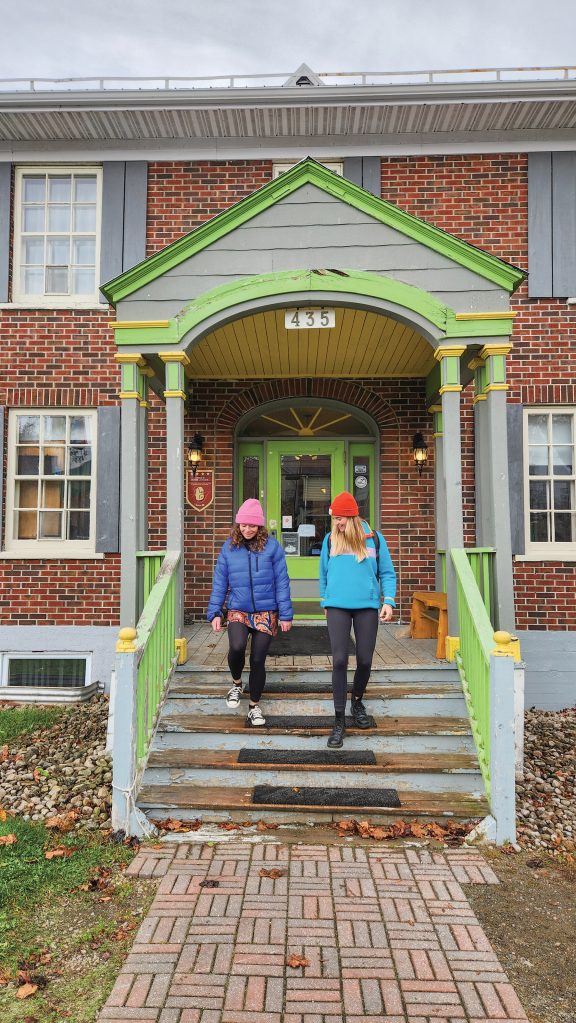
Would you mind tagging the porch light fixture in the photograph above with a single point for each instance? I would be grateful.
(419, 451)
(196, 452)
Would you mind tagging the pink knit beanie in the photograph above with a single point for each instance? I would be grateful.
(250, 513)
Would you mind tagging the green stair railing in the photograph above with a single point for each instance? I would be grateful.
(146, 656)
(481, 562)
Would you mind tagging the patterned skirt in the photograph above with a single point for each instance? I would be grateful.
(259, 621)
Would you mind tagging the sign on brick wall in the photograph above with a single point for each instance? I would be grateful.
(200, 489)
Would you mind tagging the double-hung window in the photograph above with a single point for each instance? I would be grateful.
(57, 236)
(50, 506)
(550, 481)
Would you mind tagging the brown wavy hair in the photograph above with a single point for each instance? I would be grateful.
(257, 543)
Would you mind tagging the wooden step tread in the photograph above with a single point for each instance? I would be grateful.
(289, 691)
(208, 797)
(386, 763)
(236, 723)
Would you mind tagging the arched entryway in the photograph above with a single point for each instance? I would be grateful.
(293, 455)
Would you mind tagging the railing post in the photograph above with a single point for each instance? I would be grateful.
(502, 739)
(124, 816)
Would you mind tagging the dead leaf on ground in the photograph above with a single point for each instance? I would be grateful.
(5, 978)
(63, 822)
(171, 824)
(26, 990)
(266, 826)
(295, 961)
(8, 839)
(274, 873)
(59, 853)
(4, 753)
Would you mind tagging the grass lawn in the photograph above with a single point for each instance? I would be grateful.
(66, 920)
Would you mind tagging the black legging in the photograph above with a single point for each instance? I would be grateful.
(238, 638)
(365, 620)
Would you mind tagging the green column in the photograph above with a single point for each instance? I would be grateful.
(175, 395)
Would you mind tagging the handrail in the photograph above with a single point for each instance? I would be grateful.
(473, 658)
(481, 561)
(146, 656)
(163, 83)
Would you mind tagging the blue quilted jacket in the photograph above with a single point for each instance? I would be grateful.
(252, 580)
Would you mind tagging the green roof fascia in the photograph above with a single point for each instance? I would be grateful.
(285, 282)
(309, 172)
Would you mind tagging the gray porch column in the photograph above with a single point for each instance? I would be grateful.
(133, 480)
(492, 493)
(175, 395)
(450, 388)
(439, 491)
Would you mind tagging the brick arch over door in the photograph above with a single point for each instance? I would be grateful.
(397, 407)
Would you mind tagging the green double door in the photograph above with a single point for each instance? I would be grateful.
(295, 480)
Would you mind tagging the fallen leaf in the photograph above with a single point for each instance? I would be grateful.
(417, 830)
(63, 822)
(105, 898)
(171, 824)
(274, 874)
(379, 834)
(5, 978)
(53, 854)
(8, 839)
(295, 961)
(4, 753)
(347, 827)
(26, 990)
(3, 815)
(266, 826)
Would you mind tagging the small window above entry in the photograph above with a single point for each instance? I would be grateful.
(336, 166)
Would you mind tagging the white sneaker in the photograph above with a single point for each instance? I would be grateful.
(255, 717)
(233, 697)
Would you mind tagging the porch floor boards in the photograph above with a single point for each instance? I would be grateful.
(209, 650)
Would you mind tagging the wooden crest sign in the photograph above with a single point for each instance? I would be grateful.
(200, 489)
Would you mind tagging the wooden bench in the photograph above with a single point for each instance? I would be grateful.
(429, 619)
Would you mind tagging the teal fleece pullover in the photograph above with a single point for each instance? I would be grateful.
(346, 582)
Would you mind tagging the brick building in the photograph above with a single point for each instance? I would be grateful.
(428, 232)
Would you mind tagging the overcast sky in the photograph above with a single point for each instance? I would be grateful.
(59, 38)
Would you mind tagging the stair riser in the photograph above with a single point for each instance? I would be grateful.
(412, 706)
(469, 782)
(442, 676)
(253, 740)
(161, 811)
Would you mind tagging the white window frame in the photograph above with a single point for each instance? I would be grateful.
(281, 166)
(51, 655)
(20, 298)
(47, 548)
(553, 550)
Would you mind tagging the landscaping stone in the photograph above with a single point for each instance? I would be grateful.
(546, 797)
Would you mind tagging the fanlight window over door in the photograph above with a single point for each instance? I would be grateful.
(306, 421)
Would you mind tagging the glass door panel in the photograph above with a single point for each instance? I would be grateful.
(305, 490)
(250, 476)
(361, 481)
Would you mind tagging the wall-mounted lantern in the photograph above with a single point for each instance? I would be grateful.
(419, 451)
(196, 452)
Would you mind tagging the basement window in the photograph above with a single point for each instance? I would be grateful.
(50, 671)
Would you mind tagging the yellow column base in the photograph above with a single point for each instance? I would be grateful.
(182, 648)
(452, 646)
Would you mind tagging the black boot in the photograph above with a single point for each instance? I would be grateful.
(336, 739)
(359, 715)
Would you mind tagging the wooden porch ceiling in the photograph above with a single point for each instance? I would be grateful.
(362, 344)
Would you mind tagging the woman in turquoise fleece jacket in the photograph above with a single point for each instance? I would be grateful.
(357, 586)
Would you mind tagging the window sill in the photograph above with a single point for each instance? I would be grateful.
(546, 556)
(50, 556)
(50, 306)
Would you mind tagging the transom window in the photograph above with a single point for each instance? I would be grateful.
(550, 480)
(285, 165)
(51, 481)
(57, 235)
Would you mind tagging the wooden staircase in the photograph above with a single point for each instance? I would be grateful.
(422, 746)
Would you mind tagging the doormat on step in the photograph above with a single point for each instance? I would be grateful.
(306, 756)
(308, 721)
(308, 795)
(304, 641)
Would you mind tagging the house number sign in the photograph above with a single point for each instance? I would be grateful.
(307, 319)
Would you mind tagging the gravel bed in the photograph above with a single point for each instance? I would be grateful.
(546, 797)
(61, 770)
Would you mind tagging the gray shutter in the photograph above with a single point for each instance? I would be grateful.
(2, 419)
(564, 224)
(135, 204)
(108, 480)
(515, 417)
(111, 242)
(5, 196)
(540, 225)
(364, 171)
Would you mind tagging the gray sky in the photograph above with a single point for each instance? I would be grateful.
(59, 38)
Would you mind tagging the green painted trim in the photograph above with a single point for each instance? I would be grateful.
(309, 172)
(147, 335)
(497, 368)
(366, 451)
(478, 328)
(303, 568)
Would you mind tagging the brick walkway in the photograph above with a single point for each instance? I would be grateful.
(388, 934)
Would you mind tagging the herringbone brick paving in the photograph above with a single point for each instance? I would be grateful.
(388, 934)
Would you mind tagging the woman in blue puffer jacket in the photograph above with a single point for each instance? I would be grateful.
(251, 572)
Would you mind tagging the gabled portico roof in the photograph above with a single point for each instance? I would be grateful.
(308, 171)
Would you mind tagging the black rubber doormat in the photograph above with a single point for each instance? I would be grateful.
(304, 641)
(308, 795)
(311, 721)
(360, 758)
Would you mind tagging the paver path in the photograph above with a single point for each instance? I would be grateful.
(389, 936)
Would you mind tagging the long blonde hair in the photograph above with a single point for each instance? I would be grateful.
(351, 541)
